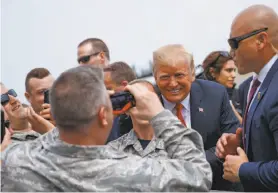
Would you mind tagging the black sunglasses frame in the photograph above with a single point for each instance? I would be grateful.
(234, 42)
(5, 97)
(220, 53)
(87, 58)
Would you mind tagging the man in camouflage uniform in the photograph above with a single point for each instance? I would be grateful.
(140, 140)
(73, 157)
(17, 116)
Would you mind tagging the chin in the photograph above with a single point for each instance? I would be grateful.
(175, 99)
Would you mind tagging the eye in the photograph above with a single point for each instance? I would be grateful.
(84, 59)
(164, 77)
(179, 75)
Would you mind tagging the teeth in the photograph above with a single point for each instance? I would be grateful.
(175, 91)
(17, 107)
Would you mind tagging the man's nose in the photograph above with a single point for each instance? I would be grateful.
(13, 100)
(233, 73)
(173, 82)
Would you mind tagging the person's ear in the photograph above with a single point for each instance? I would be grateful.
(124, 83)
(261, 40)
(102, 56)
(27, 96)
(212, 72)
(103, 116)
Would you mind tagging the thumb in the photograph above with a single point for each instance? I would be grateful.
(239, 133)
(240, 151)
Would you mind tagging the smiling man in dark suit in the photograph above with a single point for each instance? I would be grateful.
(254, 35)
(201, 105)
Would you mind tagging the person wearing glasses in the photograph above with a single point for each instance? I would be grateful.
(202, 105)
(253, 158)
(219, 67)
(93, 51)
(24, 123)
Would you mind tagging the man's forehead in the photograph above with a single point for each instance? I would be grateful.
(85, 49)
(44, 83)
(242, 24)
(181, 66)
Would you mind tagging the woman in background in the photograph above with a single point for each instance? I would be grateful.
(219, 67)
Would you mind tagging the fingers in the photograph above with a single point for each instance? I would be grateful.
(137, 90)
(110, 92)
(45, 106)
(239, 133)
(220, 146)
(240, 151)
(46, 112)
(223, 139)
(219, 149)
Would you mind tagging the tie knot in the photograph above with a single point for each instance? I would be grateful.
(179, 106)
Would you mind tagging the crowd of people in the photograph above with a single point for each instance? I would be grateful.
(185, 133)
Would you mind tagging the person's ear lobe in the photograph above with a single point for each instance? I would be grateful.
(102, 116)
(27, 96)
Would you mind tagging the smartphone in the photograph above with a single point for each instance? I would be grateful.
(121, 102)
(46, 96)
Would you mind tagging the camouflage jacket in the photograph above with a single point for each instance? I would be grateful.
(49, 164)
(130, 144)
(23, 136)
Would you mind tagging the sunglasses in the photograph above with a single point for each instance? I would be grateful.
(85, 59)
(234, 42)
(221, 53)
(5, 97)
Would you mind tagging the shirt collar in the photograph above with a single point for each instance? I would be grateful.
(132, 139)
(170, 106)
(262, 74)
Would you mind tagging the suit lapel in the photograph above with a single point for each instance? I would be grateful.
(196, 95)
(257, 99)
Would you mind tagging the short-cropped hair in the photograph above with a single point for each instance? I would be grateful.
(38, 73)
(76, 97)
(98, 46)
(121, 71)
(171, 55)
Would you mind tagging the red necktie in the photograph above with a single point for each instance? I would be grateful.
(179, 108)
(255, 85)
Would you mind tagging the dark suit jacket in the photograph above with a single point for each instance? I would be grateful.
(261, 139)
(242, 94)
(211, 116)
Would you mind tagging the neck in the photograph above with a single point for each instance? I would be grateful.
(20, 125)
(267, 57)
(84, 136)
(143, 131)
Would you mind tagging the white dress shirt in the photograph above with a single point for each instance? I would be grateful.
(261, 76)
(185, 110)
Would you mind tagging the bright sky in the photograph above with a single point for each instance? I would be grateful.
(45, 33)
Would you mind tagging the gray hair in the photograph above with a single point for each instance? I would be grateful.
(76, 97)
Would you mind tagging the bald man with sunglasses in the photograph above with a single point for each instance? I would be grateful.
(251, 155)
